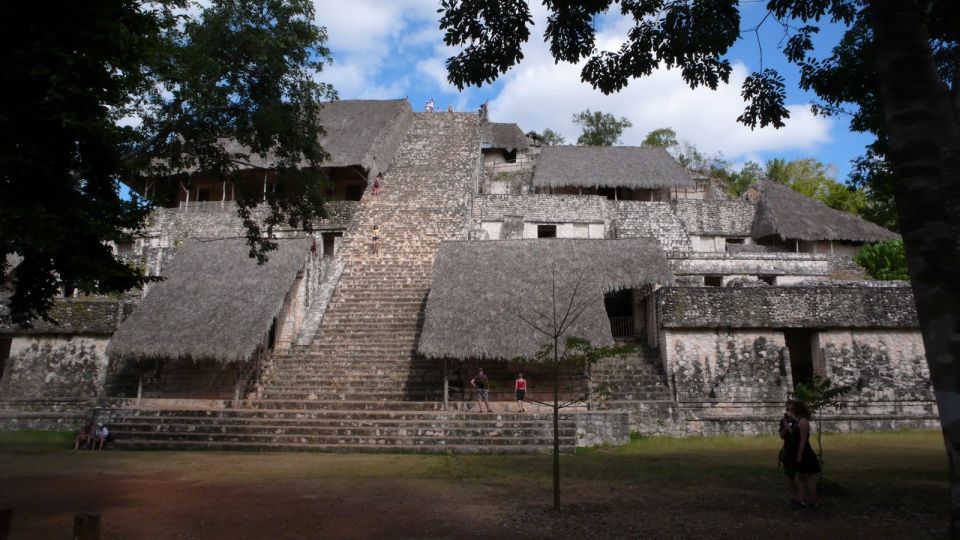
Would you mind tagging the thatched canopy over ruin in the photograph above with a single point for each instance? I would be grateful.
(508, 137)
(482, 291)
(638, 167)
(216, 303)
(784, 213)
(359, 132)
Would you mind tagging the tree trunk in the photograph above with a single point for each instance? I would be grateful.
(924, 138)
(556, 426)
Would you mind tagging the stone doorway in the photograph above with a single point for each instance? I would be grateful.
(799, 343)
(619, 307)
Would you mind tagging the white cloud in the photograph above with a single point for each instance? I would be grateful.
(368, 37)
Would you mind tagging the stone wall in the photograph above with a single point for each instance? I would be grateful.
(710, 418)
(543, 208)
(602, 428)
(756, 264)
(880, 365)
(729, 218)
(55, 366)
(633, 219)
(787, 307)
(85, 315)
(215, 221)
(734, 365)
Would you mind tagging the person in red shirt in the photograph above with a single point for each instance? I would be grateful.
(520, 387)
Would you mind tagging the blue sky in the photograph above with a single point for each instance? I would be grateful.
(394, 49)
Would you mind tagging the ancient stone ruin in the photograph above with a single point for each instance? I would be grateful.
(338, 344)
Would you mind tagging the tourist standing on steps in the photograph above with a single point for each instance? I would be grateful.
(520, 388)
(376, 184)
(429, 106)
(480, 382)
(375, 244)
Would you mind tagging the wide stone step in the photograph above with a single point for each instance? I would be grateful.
(392, 431)
(335, 448)
(435, 414)
(389, 440)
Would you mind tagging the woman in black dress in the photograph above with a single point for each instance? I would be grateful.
(799, 455)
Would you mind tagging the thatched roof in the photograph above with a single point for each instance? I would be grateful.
(640, 167)
(784, 213)
(359, 132)
(508, 137)
(482, 290)
(216, 303)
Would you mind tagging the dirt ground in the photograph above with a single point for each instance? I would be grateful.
(280, 496)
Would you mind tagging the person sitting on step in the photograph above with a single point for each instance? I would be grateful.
(102, 437)
(86, 435)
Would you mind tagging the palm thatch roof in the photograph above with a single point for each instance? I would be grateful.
(784, 213)
(483, 291)
(639, 167)
(358, 132)
(508, 137)
(216, 303)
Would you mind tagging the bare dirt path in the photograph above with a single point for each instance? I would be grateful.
(894, 488)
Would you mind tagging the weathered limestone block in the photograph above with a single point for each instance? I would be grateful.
(736, 365)
(600, 428)
(827, 306)
(879, 364)
(48, 366)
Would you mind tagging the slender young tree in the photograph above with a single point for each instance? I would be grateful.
(562, 351)
(599, 128)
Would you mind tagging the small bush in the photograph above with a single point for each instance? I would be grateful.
(885, 260)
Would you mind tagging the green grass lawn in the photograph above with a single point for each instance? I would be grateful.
(893, 484)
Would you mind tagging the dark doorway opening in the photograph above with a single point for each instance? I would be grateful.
(546, 231)
(330, 243)
(801, 354)
(355, 192)
(203, 194)
(713, 281)
(619, 306)
(4, 355)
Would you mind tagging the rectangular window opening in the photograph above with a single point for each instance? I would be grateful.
(546, 231)
(713, 281)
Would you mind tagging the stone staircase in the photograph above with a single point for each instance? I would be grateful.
(382, 427)
(635, 219)
(635, 377)
(365, 346)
